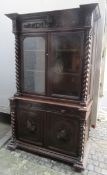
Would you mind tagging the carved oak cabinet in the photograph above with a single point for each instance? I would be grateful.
(50, 113)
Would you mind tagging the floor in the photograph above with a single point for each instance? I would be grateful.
(22, 163)
(5, 129)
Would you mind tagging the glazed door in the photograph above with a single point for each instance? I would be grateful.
(66, 62)
(34, 66)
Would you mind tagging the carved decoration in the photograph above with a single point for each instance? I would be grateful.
(63, 135)
(40, 22)
(12, 144)
(82, 139)
(86, 66)
(15, 18)
(31, 126)
(17, 55)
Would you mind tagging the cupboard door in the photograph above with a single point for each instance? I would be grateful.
(65, 67)
(34, 52)
(62, 133)
(30, 126)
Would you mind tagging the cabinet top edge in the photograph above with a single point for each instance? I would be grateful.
(85, 7)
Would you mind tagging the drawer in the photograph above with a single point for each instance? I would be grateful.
(62, 133)
(27, 105)
(30, 105)
(30, 126)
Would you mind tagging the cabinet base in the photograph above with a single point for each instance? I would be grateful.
(12, 145)
(74, 161)
(82, 165)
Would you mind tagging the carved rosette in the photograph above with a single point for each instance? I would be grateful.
(86, 65)
(82, 139)
(17, 55)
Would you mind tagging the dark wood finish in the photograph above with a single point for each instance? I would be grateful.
(50, 113)
(30, 126)
(63, 132)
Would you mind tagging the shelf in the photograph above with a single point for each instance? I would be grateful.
(68, 73)
(34, 50)
(68, 50)
(30, 70)
(66, 96)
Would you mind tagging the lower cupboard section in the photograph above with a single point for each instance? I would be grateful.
(54, 131)
(61, 132)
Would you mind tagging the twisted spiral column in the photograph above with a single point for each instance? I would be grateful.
(13, 126)
(13, 120)
(82, 139)
(17, 55)
(86, 66)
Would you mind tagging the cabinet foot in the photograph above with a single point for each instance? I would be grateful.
(12, 145)
(78, 167)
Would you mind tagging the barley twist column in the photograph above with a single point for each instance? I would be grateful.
(86, 65)
(18, 66)
(12, 144)
(82, 139)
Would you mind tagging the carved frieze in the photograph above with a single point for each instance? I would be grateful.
(39, 22)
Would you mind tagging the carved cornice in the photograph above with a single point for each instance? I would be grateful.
(12, 16)
(15, 21)
(89, 8)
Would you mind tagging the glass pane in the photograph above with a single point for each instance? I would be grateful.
(66, 65)
(34, 64)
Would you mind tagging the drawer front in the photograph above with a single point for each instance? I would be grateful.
(46, 107)
(29, 105)
(30, 126)
(62, 133)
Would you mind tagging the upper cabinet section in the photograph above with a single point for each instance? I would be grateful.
(54, 53)
(62, 19)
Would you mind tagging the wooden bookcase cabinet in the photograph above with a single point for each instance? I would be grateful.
(50, 113)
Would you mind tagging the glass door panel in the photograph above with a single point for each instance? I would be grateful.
(65, 68)
(34, 64)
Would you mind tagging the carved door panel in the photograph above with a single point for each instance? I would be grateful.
(62, 133)
(30, 126)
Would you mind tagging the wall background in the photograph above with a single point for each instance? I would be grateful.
(7, 58)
